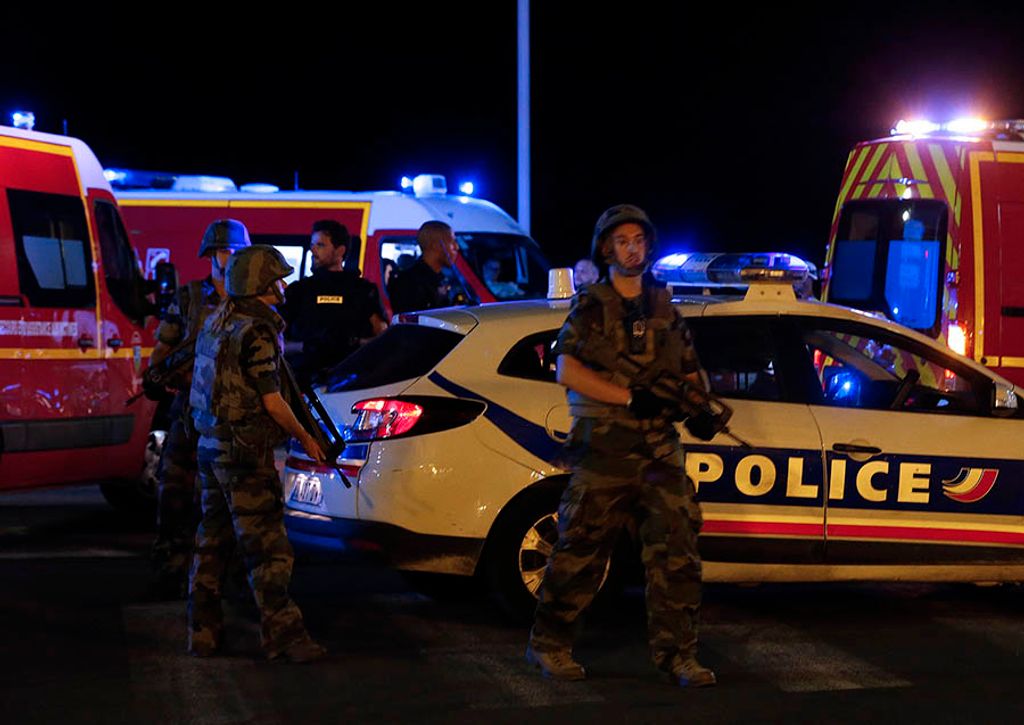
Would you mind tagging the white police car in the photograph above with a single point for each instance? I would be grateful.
(877, 453)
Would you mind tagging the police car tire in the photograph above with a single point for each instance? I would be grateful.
(501, 557)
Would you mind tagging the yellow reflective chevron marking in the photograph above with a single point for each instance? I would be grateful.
(870, 170)
(851, 175)
(1012, 362)
(945, 175)
(891, 172)
(974, 159)
(917, 172)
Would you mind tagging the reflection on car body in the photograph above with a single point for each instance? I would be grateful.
(877, 453)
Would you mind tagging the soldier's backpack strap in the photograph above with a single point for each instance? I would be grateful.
(195, 306)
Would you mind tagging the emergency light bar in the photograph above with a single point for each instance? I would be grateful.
(718, 269)
(959, 127)
(426, 185)
(137, 179)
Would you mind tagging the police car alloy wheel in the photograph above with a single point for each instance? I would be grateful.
(535, 550)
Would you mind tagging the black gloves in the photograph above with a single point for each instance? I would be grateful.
(704, 425)
(645, 404)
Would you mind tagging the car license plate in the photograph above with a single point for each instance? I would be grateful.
(306, 490)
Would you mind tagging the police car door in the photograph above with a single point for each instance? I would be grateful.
(920, 470)
(764, 504)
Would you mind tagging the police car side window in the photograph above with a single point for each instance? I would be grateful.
(863, 367)
(740, 356)
(52, 248)
(531, 358)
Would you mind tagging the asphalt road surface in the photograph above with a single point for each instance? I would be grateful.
(82, 639)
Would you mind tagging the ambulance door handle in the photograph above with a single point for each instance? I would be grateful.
(115, 342)
(86, 341)
(852, 448)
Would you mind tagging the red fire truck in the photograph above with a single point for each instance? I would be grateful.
(166, 215)
(73, 337)
(929, 230)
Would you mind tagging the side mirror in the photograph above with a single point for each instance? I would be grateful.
(165, 277)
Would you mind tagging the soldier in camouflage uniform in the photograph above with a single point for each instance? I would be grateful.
(177, 510)
(240, 415)
(627, 461)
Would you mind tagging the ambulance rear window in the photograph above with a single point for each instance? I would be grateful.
(403, 352)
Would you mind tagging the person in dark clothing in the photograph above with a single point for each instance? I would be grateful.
(423, 286)
(333, 311)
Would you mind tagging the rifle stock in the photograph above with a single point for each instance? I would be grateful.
(331, 442)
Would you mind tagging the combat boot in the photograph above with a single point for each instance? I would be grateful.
(301, 651)
(557, 664)
(688, 672)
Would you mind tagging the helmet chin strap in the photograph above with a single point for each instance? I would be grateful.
(630, 271)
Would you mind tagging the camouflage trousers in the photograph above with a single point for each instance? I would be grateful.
(177, 507)
(242, 501)
(594, 509)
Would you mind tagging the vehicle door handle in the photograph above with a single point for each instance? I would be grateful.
(86, 341)
(115, 342)
(853, 448)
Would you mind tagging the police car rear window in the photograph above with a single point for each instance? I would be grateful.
(403, 352)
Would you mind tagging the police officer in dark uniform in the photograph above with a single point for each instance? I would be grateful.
(240, 415)
(424, 286)
(333, 311)
(177, 510)
(627, 460)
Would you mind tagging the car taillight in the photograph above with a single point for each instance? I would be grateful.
(956, 337)
(384, 418)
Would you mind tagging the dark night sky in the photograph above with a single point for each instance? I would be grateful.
(731, 129)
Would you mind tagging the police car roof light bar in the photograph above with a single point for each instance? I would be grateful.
(717, 269)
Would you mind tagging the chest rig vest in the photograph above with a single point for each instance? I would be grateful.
(222, 396)
(652, 339)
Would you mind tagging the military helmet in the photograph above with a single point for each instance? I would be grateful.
(252, 270)
(613, 217)
(224, 234)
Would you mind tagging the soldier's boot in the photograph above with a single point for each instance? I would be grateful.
(203, 642)
(688, 672)
(557, 664)
(301, 651)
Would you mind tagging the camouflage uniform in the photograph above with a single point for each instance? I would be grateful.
(237, 362)
(177, 510)
(625, 469)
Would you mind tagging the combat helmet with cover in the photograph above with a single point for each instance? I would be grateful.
(224, 234)
(616, 216)
(253, 269)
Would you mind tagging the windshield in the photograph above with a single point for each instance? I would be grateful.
(888, 257)
(511, 265)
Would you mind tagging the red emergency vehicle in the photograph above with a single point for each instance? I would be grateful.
(73, 340)
(166, 216)
(929, 230)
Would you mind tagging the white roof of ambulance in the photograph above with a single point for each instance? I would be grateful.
(389, 209)
(89, 169)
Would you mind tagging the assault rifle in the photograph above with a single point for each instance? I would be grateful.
(156, 378)
(320, 426)
(692, 402)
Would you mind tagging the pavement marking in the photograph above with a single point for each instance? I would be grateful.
(1005, 633)
(795, 661)
(495, 672)
(169, 685)
(96, 553)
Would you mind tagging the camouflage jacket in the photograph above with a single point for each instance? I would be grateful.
(183, 315)
(238, 358)
(650, 331)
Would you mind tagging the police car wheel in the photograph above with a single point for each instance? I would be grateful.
(518, 551)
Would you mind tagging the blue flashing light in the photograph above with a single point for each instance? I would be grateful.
(23, 119)
(406, 183)
(466, 187)
(115, 176)
(718, 269)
